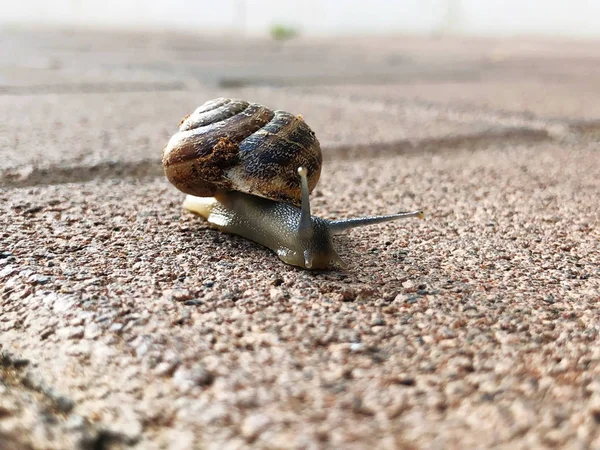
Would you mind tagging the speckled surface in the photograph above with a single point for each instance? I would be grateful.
(128, 323)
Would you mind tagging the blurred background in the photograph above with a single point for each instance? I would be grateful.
(576, 18)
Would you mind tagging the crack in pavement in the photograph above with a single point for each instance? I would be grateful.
(53, 175)
(13, 373)
(56, 410)
(47, 176)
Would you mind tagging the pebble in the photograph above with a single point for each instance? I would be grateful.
(71, 332)
(178, 295)
(201, 376)
(76, 422)
(37, 278)
(92, 331)
(60, 303)
(185, 379)
(115, 327)
(7, 271)
(63, 404)
(357, 346)
(128, 427)
(82, 348)
(166, 368)
(8, 406)
(254, 425)
(378, 321)
(217, 413)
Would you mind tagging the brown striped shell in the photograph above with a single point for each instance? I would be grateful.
(235, 145)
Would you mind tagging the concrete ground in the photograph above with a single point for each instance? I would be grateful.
(128, 323)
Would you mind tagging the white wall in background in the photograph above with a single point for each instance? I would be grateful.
(577, 18)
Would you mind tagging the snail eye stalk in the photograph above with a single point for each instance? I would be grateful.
(339, 226)
(305, 226)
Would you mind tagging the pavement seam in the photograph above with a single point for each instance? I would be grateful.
(15, 375)
(151, 168)
(53, 175)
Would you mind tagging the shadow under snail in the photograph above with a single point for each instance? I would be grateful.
(249, 171)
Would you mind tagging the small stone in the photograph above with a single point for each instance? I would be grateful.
(275, 294)
(8, 407)
(446, 333)
(128, 427)
(357, 346)
(377, 322)
(60, 303)
(201, 376)
(166, 368)
(80, 349)
(76, 422)
(75, 333)
(214, 414)
(19, 363)
(37, 278)
(178, 295)
(193, 302)
(348, 294)
(7, 271)
(63, 404)
(358, 407)
(46, 332)
(115, 327)
(92, 331)
(411, 299)
(594, 409)
(185, 379)
(33, 209)
(254, 425)
(404, 380)
(396, 409)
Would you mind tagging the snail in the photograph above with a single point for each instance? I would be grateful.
(249, 171)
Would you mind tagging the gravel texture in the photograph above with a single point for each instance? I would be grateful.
(126, 322)
(475, 327)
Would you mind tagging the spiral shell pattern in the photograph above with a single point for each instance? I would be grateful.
(235, 145)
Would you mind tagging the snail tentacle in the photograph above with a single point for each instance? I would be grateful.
(339, 226)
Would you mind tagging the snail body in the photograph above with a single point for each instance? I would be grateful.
(246, 215)
(249, 171)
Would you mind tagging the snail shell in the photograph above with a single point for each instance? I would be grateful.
(234, 145)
